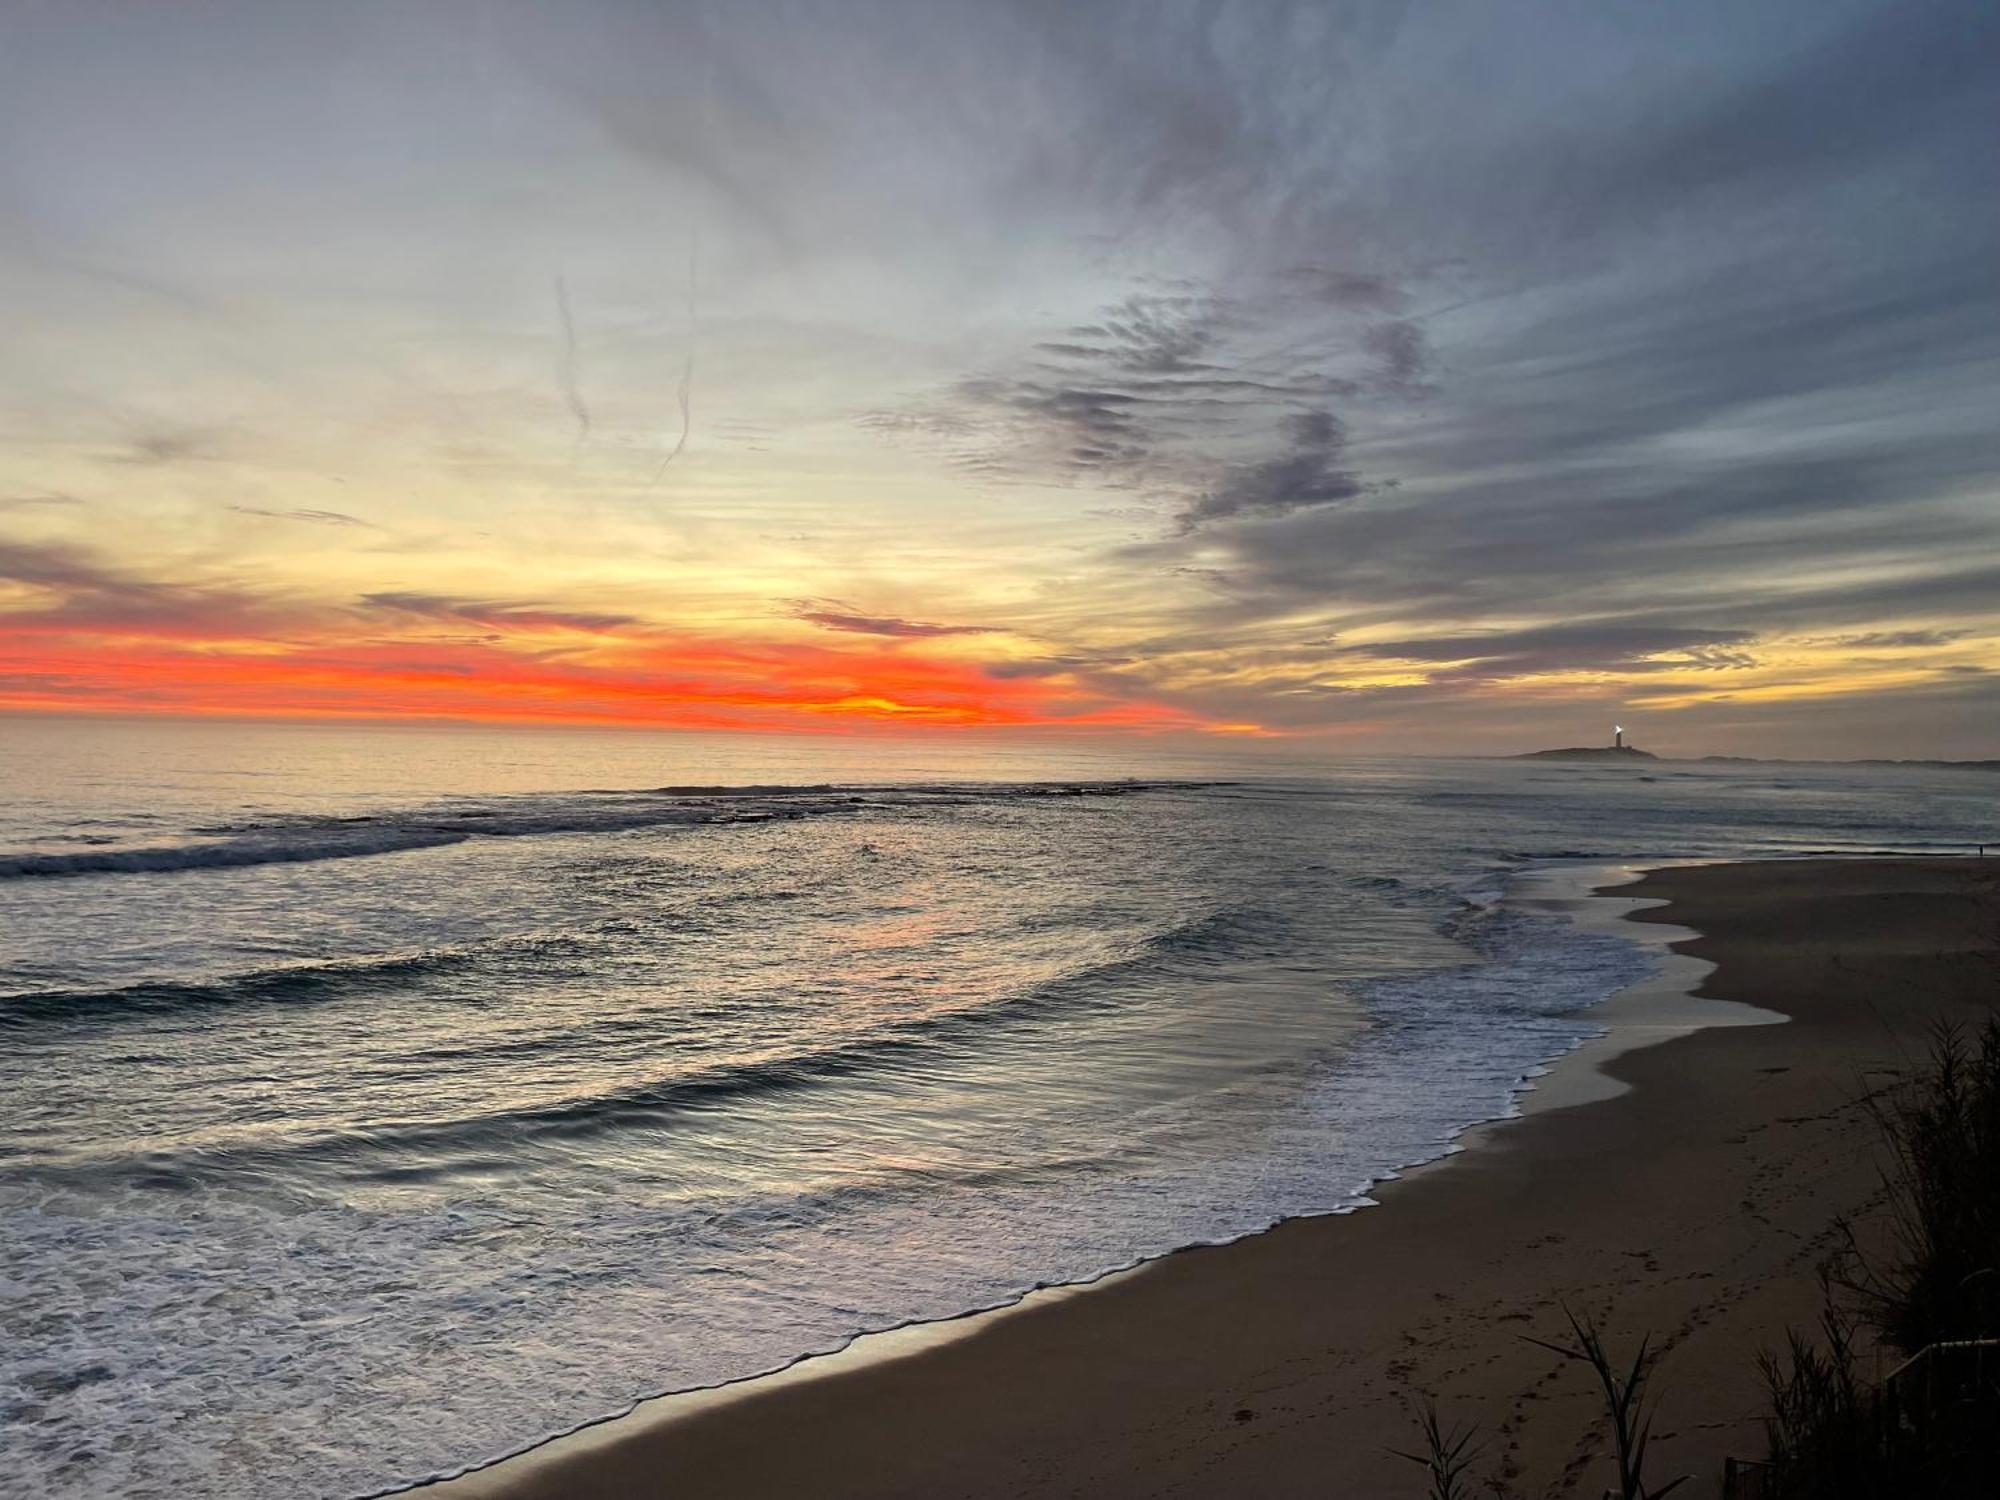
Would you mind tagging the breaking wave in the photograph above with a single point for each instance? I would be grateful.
(307, 839)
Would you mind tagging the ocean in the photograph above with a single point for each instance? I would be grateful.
(377, 1100)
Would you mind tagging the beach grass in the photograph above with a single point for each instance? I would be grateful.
(1932, 1426)
(1929, 1430)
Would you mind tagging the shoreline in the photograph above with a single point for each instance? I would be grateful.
(1638, 1015)
(707, 1441)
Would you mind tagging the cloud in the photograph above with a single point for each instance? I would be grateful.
(1056, 666)
(52, 566)
(1308, 475)
(316, 517)
(500, 614)
(1348, 288)
(1597, 646)
(158, 449)
(1891, 640)
(832, 614)
(79, 593)
(1630, 383)
(236, 665)
(1855, 532)
(1217, 404)
(1402, 352)
(31, 502)
(1621, 352)
(1797, 125)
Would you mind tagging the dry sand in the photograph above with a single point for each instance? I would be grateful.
(1695, 1205)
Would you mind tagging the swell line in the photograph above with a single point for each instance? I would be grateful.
(923, 1040)
(221, 854)
(303, 981)
(309, 839)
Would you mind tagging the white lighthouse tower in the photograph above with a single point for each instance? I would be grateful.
(1617, 736)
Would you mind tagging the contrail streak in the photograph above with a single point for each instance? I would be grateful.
(686, 392)
(566, 368)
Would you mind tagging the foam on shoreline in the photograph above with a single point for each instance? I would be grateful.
(1656, 1006)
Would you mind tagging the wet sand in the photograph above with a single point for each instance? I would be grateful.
(1693, 1205)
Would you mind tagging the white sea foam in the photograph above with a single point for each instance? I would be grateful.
(443, 1176)
(316, 1343)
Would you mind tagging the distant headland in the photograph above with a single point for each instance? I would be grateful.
(1589, 752)
(1617, 750)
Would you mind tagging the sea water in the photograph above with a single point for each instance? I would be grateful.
(374, 1101)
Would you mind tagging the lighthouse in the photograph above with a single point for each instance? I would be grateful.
(1617, 736)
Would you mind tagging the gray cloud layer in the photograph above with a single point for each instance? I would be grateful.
(306, 514)
(1525, 340)
(1699, 345)
(833, 614)
(1217, 404)
(505, 614)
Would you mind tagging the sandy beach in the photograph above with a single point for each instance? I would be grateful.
(1694, 1205)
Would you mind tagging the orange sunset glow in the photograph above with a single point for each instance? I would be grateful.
(509, 389)
(535, 673)
(824, 748)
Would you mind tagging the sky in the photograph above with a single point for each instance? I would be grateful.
(1378, 377)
